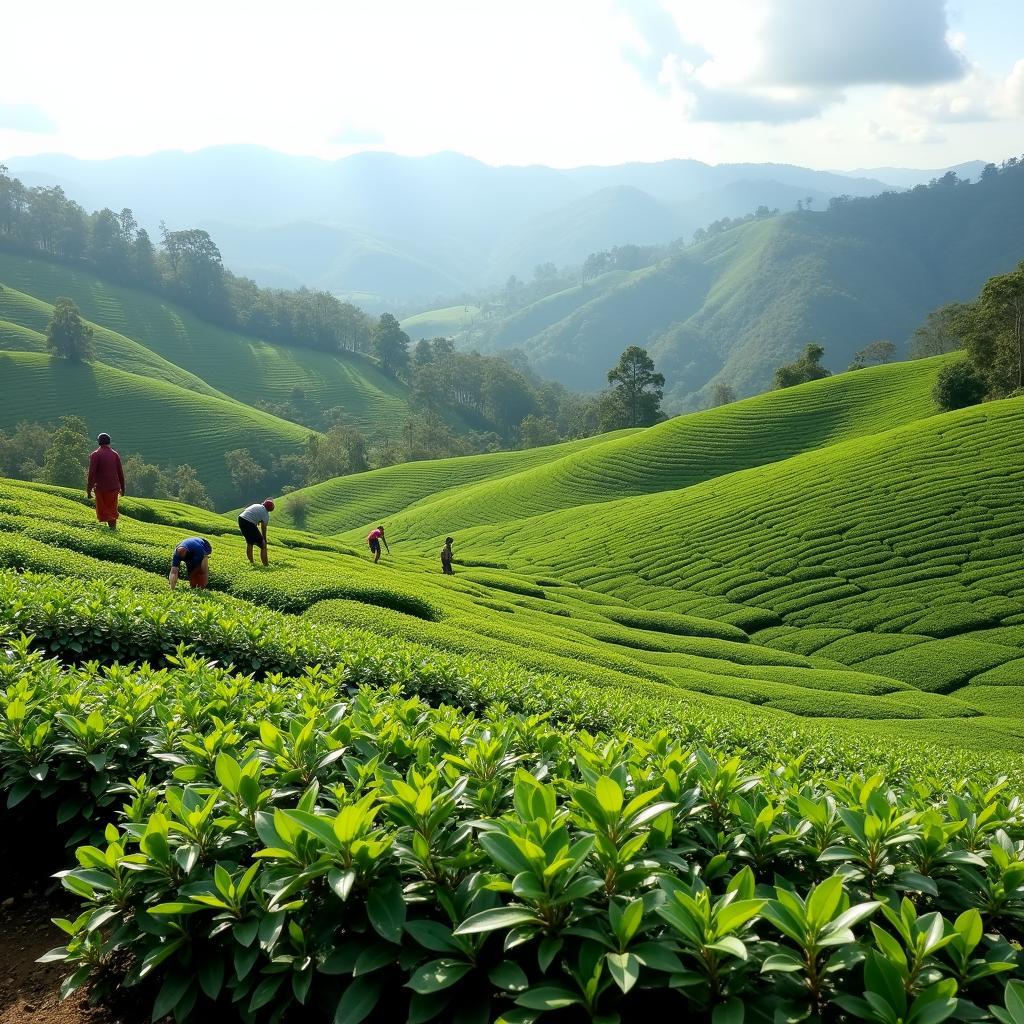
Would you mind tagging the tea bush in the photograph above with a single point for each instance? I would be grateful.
(357, 854)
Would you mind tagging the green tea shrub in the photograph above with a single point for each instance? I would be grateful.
(505, 581)
(671, 622)
(358, 854)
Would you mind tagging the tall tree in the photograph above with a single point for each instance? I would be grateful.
(722, 394)
(188, 488)
(68, 336)
(880, 351)
(391, 344)
(993, 329)
(638, 387)
(197, 269)
(68, 454)
(246, 472)
(939, 333)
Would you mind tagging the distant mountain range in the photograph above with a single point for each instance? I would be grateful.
(736, 306)
(384, 228)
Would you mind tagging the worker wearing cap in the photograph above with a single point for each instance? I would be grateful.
(106, 478)
(253, 523)
(374, 540)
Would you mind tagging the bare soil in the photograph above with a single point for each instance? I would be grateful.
(30, 992)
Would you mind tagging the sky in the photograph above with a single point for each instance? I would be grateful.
(822, 83)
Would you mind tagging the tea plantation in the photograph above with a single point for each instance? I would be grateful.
(224, 361)
(731, 737)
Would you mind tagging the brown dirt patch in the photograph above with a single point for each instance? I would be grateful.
(30, 992)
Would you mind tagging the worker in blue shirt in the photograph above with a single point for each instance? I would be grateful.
(195, 553)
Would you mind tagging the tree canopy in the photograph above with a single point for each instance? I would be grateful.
(68, 336)
(806, 367)
(638, 388)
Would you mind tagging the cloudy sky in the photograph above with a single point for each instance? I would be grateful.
(825, 83)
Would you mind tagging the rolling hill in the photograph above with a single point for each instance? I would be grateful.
(215, 359)
(158, 420)
(867, 580)
(431, 499)
(349, 502)
(893, 553)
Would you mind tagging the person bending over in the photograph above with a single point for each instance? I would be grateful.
(375, 539)
(446, 557)
(253, 523)
(195, 553)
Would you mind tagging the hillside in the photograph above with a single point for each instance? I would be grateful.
(741, 303)
(894, 553)
(349, 502)
(235, 365)
(678, 453)
(164, 423)
(782, 651)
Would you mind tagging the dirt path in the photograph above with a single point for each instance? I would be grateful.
(30, 992)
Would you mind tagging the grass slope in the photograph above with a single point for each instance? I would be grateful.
(243, 367)
(349, 502)
(688, 449)
(651, 640)
(23, 322)
(896, 554)
(160, 421)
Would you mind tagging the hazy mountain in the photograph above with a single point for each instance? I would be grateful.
(406, 228)
(736, 306)
(908, 177)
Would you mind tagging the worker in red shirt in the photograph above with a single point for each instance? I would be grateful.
(106, 478)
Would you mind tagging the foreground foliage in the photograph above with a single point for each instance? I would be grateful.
(291, 841)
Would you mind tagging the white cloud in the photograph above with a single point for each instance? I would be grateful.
(1013, 90)
(561, 82)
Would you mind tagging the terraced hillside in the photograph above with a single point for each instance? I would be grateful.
(687, 641)
(677, 453)
(897, 554)
(239, 366)
(23, 320)
(164, 423)
(347, 502)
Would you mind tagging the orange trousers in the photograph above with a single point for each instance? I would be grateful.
(106, 506)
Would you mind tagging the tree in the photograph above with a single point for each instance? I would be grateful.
(638, 388)
(877, 352)
(958, 385)
(993, 329)
(536, 431)
(939, 333)
(806, 367)
(108, 249)
(148, 480)
(68, 455)
(196, 269)
(391, 345)
(22, 453)
(68, 336)
(144, 264)
(722, 394)
(338, 452)
(188, 489)
(245, 472)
